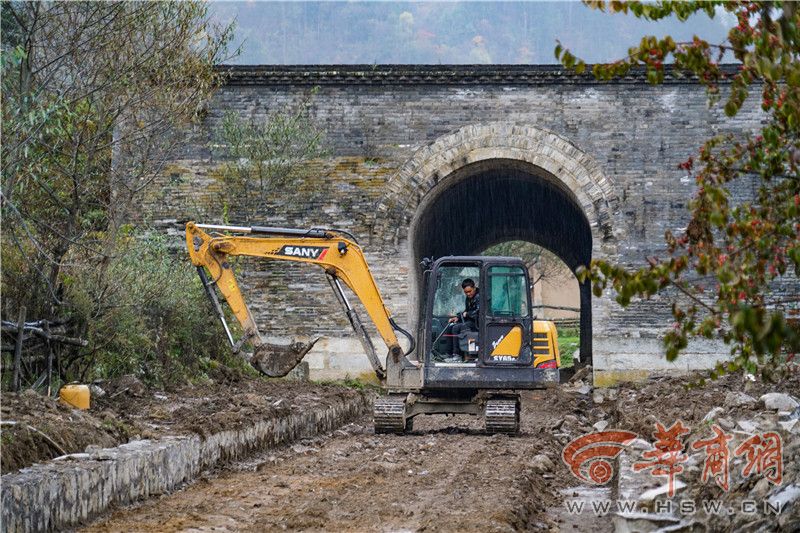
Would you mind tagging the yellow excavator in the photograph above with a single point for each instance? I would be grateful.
(508, 352)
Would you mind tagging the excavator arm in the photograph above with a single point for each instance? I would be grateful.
(335, 252)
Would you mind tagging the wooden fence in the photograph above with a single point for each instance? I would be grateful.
(21, 332)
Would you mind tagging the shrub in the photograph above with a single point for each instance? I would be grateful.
(145, 314)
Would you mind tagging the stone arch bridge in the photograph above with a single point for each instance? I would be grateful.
(449, 160)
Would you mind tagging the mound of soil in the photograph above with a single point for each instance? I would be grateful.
(36, 428)
(667, 399)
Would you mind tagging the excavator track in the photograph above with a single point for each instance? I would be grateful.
(502, 415)
(390, 414)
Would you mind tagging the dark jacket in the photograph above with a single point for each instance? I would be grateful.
(472, 308)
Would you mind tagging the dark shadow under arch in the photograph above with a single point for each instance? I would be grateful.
(498, 201)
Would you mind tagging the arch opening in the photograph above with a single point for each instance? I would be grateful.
(494, 201)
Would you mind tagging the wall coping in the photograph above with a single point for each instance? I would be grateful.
(444, 75)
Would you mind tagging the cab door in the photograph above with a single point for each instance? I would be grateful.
(446, 299)
(506, 328)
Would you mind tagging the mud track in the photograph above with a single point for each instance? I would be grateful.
(449, 476)
(446, 475)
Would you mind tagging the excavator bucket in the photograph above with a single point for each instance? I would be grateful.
(276, 361)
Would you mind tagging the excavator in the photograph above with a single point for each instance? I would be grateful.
(511, 351)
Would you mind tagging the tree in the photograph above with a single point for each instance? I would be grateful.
(262, 156)
(92, 94)
(735, 267)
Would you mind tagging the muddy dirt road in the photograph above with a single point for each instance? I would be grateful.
(445, 476)
(449, 476)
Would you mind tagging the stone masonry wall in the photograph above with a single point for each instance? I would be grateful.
(60, 494)
(376, 118)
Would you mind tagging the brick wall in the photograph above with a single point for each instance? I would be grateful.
(627, 138)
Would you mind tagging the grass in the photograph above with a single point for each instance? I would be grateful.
(357, 383)
(568, 341)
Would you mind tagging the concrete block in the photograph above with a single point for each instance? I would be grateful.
(648, 353)
(350, 364)
(316, 359)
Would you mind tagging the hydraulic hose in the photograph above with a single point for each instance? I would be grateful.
(411, 342)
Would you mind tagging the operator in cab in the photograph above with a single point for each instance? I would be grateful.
(467, 320)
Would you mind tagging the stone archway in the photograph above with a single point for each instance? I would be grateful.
(515, 182)
(570, 168)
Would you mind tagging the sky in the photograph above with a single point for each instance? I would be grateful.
(337, 32)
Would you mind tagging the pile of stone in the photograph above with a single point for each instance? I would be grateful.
(756, 502)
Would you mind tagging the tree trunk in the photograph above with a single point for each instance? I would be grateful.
(49, 345)
(18, 349)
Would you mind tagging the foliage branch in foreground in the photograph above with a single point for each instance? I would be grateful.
(730, 263)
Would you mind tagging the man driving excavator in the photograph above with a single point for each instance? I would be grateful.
(464, 321)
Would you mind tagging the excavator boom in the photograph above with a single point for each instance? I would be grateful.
(336, 252)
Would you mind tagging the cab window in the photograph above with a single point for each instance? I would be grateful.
(508, 290)
(449, 297)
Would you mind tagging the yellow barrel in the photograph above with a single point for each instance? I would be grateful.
(75, 395)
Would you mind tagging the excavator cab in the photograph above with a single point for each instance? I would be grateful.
(503, 336)
(508, 349)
